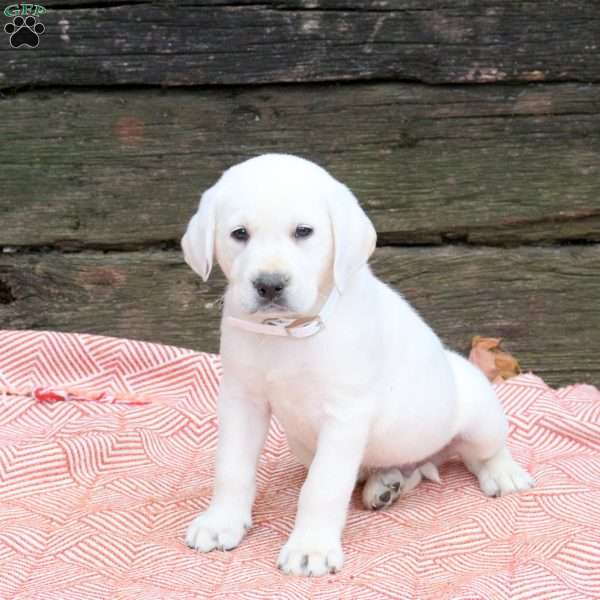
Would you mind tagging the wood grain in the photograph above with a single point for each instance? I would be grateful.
(199, 43)
(480, 164)
(543, 301)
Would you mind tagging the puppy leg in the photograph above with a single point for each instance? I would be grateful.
(483, 428)
(314, 546)
(243, 425)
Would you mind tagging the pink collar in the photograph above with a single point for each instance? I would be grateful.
(285, 327)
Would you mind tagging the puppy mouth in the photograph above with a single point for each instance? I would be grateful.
(272, 308)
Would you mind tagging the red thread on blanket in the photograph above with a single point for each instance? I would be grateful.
(47, 395)
(42, 394)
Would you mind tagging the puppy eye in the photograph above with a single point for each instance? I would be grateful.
(302, 231)
(240, 234)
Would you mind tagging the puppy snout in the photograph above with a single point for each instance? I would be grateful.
(270, 286)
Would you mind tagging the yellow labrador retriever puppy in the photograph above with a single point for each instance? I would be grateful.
(361, 385)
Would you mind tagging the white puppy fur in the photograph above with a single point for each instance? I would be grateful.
(374, 390)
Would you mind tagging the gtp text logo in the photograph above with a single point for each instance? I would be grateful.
(25, 29)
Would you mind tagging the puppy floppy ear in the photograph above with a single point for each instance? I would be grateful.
(198, 242)
(354, 236)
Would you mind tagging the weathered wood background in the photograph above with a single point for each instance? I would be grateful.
(470, 130)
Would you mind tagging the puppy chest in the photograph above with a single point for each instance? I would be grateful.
(297, 401)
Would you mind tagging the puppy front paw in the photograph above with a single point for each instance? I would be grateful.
(311, 555)
(212, 530)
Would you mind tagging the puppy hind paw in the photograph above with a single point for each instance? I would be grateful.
(382, 488)
(385, 486)
(501, 475)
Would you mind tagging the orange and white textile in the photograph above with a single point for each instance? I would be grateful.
(106, 454)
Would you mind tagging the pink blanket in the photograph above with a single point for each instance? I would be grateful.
(96, 491)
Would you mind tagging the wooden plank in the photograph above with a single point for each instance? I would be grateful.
(499, 164)
(199, 43)
(543, 301)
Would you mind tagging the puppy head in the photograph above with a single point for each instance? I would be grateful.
(283, 231)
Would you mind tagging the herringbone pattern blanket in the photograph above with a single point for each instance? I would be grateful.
(106, 454)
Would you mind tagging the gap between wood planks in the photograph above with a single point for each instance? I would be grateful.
(451, 239)
(11, 92)
(273, 5)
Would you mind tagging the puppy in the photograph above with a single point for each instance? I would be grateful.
(359, 382)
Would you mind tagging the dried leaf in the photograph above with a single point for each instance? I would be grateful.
(488, 355)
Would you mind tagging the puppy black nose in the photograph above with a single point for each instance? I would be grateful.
(270, 286)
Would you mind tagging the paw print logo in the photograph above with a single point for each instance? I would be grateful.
(24, 32)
